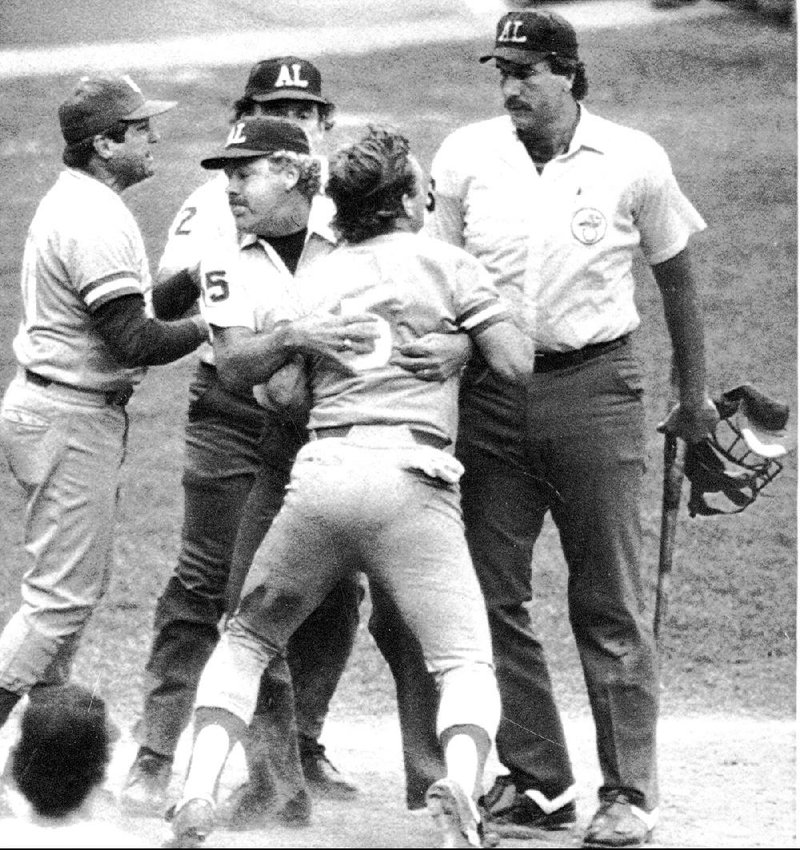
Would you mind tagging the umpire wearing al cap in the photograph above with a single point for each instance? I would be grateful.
(556, 201)
(236, 459)
(85, 336)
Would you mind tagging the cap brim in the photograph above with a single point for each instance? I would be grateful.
(150, 108)
(519, 57)
(221, 158)
(291, 94)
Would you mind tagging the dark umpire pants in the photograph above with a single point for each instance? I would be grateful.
(581, 457)
(226, 447)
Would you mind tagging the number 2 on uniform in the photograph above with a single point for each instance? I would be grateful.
(216, 287)
(187, 214)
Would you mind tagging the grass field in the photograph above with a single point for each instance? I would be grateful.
(37, 22)
(720, 96)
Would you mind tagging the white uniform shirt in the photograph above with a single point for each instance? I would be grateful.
(203, 241)
(83, 249)
(204, 219)
(243, 285)
(560, 245)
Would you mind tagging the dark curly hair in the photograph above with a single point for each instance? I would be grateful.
(564, 67)
(367, 181)
(244, 107)
(62, 752)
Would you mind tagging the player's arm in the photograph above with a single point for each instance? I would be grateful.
(487, 318)
(135, 339)
(695, 414)
(175, 295)
(245, 358)
(507, 351)
(286, 390)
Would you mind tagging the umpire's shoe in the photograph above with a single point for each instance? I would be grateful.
(323, 779)
(522, 814)
(619, 822)
(145, 791)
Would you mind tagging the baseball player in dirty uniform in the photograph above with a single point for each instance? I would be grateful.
(233, 460)
(230, 444)
(376, 486)
(85, 338)
(555, 202)
(284, 225)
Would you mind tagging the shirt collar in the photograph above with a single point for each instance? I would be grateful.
(589, 133)
(320, 218)
(89, 179)
(319, 223)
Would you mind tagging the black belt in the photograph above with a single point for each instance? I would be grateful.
(548, 361)
(117, 397)
(424, 438)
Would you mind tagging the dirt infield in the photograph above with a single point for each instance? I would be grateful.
(728, 782)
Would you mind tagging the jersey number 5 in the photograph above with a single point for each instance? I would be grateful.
(216, 287)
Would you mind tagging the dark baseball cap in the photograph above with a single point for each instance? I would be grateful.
(98, 103)
(255, 137)
(528, 37)
(285, 78)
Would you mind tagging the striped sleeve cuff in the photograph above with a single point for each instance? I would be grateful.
(100, 292)
(482, 316)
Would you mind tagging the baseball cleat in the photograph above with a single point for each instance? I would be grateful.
(192, 822)
(145, 791)
(455, 815)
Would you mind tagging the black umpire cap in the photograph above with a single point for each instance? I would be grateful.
(254, 137)
(285, 78)
(528, 37)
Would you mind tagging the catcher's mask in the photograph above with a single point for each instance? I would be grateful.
(738, 459)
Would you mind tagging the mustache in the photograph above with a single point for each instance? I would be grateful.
(514, 103)
(236, 199)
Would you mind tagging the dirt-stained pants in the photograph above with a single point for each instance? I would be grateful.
(349, 503)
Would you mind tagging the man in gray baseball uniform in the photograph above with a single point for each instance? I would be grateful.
(86, 335)
(238, 457)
